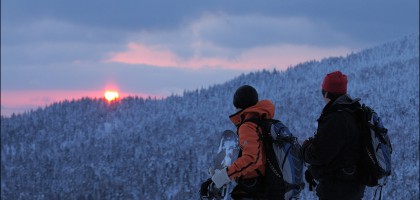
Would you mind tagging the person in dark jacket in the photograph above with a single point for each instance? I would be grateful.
(333, 152)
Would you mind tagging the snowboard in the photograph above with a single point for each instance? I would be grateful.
(226, 154)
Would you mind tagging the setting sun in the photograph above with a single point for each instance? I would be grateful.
(111, 95)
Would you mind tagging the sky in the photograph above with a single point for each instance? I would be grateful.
(52, 50)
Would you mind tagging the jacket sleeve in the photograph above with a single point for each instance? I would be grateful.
(327, 142)
(252, 152)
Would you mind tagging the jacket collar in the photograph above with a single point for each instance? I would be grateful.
(344, 101)
(264, 108)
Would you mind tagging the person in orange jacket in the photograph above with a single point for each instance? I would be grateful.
(249, 169)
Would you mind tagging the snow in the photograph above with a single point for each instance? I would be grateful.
(161, 149)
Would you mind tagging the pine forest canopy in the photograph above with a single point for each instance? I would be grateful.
(137, 148)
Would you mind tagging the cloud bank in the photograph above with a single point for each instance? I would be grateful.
(235, 42)
(165, 47)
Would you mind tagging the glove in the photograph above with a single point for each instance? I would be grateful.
(209, 191)
(306, 144)
(204, 189)
(220, 177)
(310, 179)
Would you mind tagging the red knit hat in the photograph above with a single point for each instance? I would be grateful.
(335, 82)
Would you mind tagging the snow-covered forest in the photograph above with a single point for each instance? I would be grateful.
(139, 148)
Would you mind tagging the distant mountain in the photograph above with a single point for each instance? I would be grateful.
(161, 149)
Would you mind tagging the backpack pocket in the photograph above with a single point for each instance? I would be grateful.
(347, 173)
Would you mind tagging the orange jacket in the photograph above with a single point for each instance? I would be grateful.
(253, 155)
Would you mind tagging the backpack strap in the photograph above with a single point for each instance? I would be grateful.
(265, 125)
(260, 122)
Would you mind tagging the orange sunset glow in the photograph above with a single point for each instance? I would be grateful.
(111, 95)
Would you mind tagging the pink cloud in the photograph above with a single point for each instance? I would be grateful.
(25, 100)
(203, 39)
(280, 57)
(148, 55)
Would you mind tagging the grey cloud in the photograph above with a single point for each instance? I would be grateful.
(91, 76)
(108, 26)
(50, 41)
(41, 39)
(130, 14)
(53, 30)
(227, 36)
(368, 20)
(251, 31)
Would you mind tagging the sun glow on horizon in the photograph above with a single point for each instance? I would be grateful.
(111, 95)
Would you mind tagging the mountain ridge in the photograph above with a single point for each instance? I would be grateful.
(136, 148)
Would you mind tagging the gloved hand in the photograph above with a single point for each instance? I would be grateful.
(204, 189)
(209, 191)
(307, 142)
(310, 179)
(220, 177)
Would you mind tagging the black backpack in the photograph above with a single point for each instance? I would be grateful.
(284, 160)
(374, 166)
